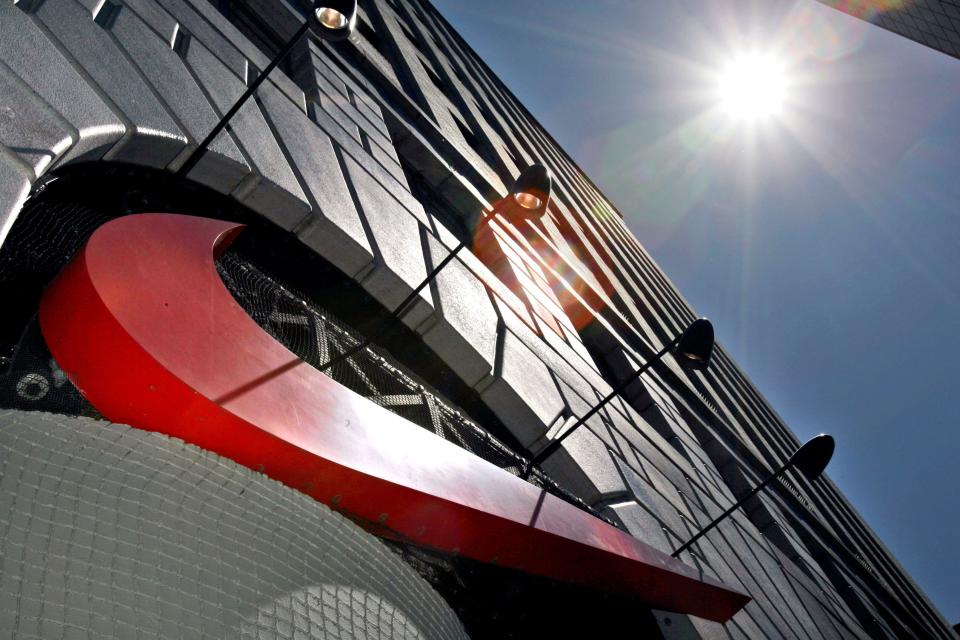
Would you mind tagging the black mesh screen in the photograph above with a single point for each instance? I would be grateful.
(53, 226)
(32, 381)
(318, 338)
(39, 245)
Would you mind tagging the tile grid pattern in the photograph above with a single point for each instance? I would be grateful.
(121, 533)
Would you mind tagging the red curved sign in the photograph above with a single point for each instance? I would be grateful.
(143, 325)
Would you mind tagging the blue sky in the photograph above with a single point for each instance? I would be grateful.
(822, 243)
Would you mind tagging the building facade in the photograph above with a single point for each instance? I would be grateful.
(356, 168)
(934, 23)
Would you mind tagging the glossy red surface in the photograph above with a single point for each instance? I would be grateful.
(143, 325)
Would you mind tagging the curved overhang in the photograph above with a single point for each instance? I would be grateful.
(143, 325)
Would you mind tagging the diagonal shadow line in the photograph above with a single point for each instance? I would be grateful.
(538, 508)
(249, 386)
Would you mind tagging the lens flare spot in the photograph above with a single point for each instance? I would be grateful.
(869, 9)
(753, 86)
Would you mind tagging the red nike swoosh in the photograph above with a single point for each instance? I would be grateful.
(145, 328)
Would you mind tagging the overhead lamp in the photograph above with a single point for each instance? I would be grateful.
(693, 349)
(814, 456)
(528, 200)
(334, 19)
(331, 20)
(810, 460)
(534, 183)
(531, 191)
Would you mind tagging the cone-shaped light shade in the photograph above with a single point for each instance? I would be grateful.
(696, 345)
(531, 192)
(814, 456)
(333, 19)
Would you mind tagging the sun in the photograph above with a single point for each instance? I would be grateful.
(753, 87)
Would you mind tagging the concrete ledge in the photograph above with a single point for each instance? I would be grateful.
(32, 56)
(464, 333)
(150, 48)
(152, 137)
(584, 466)
(394, 236)
(30, 127)
(333, 228)
(523, 393)
(273, 190)
(15, 186)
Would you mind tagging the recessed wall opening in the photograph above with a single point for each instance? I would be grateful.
(57, 220)
(302, 300)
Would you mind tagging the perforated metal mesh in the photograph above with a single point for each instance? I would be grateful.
(39, 245)
(50, 230)
(319, 338)
(33, 381)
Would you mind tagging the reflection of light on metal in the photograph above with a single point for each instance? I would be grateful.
(527, 200)
(534, 179)
(331, 18)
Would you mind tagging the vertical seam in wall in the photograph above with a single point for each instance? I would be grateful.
(434, 287)
(348, 179)
(298, 175)
(183, 39)
(108, 29)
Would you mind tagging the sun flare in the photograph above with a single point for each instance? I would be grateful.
(753, 87)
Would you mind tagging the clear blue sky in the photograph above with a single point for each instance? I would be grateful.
(824, 245)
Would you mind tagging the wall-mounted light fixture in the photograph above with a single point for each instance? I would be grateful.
(810, 460)
(693, 349)
(331, 20)
(531, 192)
(528, 200)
